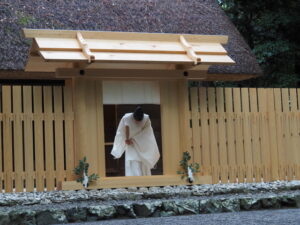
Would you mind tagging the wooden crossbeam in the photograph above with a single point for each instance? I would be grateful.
(189, 50)
(85, 48)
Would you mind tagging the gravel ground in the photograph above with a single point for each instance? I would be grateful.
(269, 217)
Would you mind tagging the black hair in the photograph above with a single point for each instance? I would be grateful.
(138, 114)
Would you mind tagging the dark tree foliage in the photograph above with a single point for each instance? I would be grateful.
(272, 30)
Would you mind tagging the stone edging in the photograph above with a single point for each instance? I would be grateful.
(36, 198)
(150, 208)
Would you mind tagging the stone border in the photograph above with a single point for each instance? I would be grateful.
(168, 192)
(151, 208)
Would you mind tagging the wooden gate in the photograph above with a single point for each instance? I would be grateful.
(36, 137)
(246, 134)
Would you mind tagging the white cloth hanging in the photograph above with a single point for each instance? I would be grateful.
(142, 155)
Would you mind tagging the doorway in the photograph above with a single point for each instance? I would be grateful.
(112, 116)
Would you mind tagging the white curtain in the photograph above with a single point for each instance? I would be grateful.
(131, 92)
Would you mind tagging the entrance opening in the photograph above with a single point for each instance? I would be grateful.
(119, 98)
(112, 117)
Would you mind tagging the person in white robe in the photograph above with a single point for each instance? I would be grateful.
(135, 137)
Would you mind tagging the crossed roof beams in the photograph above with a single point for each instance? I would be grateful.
(53, 49)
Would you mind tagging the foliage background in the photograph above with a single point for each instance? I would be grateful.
(272, 30)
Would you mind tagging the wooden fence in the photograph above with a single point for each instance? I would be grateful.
(238, 135)
(246, 134)
(36, 137)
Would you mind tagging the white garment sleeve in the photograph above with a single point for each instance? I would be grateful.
(119, 142)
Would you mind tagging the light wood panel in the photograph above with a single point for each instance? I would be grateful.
(34, 138)
(257, 136)
(172, 153)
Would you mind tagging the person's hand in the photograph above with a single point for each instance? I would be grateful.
(128, 141)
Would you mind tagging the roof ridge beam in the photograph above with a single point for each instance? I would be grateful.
(189, 50)
(85, 48)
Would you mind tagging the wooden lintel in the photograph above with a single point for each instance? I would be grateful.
(189, 50)
(85, 48)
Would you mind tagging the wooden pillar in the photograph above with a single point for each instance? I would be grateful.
(170, 127)
(184, 119)
(88, 122)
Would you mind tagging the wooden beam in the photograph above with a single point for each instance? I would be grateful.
(141, 181)
(129, 46)
(115, 57)
(189, 51)
(123, 74)
(85, 48)
(34, 33)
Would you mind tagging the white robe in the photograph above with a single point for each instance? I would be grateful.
(143, 154)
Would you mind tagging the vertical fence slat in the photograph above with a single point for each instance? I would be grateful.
(293, 130)
(7, 138)
(204, 131)
(213, 132)
(255, 132)
(69, 126)
(38, 138)
(49, 145)
(18, 139)
(286, 130)
(239, 135)
(195, 126)
(272, 134)
(265, 147)
(247, 134)
(222, 135)
(230, 136)
(280, 134)
(58, 126)
(28, 138)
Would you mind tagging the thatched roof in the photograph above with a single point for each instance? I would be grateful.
(157, 16)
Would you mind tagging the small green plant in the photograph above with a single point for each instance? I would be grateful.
(187, 170)
(82, 172)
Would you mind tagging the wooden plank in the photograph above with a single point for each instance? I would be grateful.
(18, 138)
(100, 128)
(230, 130)
(142, 181)
(272, 135)
(196, 131)
(205, 137)
(7, 138)
(38, 138)
(58, 130)
(280, 134)
(92, 153)
(135, 46)
(49, 33)
(135, 57)
(255, 133)
(247, 134)
(170, 127)
(295, 140)
(240, 154)
(28, 138)
(222, 135)
(286, 131)
(213, 132)
(49, 147)
(69, 128)
(184, 118)
(265, 147)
